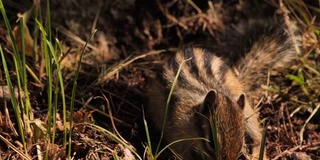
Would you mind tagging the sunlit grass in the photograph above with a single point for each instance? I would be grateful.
(54, 81)
(22, 113)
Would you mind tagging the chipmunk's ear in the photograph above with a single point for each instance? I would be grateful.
(211, 97)
(241, 101)
(208, 102)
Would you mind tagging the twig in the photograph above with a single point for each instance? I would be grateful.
(284, 153)
(307, 121)
(74, 37)
(170, 17)
(118, 121)
(282, 115)
(111, 118)
(125, 63)
(194, 6)
(291, 126)
(14, 148)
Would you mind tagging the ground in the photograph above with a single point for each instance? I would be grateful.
(131, 42)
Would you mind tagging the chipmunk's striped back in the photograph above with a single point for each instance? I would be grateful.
(206, 89)
(202, 72)
(219, 87)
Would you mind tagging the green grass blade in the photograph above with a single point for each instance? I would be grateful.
(74, 89)
(48, 24)
(6, 21)
(48, 47)
(49, 73)
(168, 101)
(263, 142)
(214, 131)
(14, 101)
(177, 141)
(17, 67)
(61, 82)
(148, 136)
(27, 105)
(115, 137)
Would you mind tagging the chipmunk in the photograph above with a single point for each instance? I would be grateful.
(216, 89)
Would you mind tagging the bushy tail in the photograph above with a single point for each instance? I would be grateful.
(273, 46)
(256, 46)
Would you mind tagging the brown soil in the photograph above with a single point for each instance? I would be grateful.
(131, 28)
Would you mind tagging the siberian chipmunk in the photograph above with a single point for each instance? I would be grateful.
(215, 88)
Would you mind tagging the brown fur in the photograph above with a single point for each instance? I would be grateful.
(208, 89)
(184, 116)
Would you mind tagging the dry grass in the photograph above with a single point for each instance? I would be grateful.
(131, 42)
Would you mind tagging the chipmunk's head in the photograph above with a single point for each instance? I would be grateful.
(221, 121)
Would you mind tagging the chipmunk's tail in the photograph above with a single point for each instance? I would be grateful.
(259, 46)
